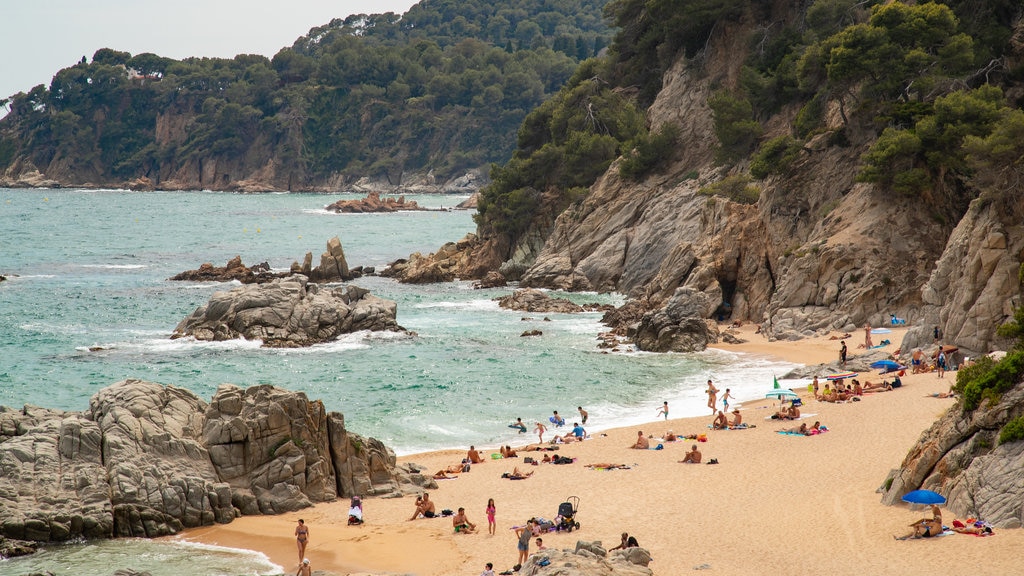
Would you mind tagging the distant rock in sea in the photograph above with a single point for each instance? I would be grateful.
(148, 460)
(374, 203)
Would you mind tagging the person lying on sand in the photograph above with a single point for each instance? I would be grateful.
(641, 442)
(978, 528)
(567, 439)
(926, 527)
(802, 429)
(449, 472)
(692, 457)
(517, 474)
(882, 386)
(791, 413)
(605, 465)
(670, 437)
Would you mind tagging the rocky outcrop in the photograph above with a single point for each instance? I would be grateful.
(333, 267)
(492, 279)
(290, 313)
(532, 300)
(588, 559)
(961, 457)
(149, 460)
(679, 326)
(976, 283)
(373, 203)
(444, 265)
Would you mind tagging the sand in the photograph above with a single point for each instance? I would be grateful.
(774, 504)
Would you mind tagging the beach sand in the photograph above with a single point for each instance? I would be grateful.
(774, 504)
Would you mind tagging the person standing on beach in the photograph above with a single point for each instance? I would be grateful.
(842, 353)
(491, 511)
(663, 410)
(712, 396)
(524, 533)
(302, 538)
(540, 430)
(304, 568)
(583, 414)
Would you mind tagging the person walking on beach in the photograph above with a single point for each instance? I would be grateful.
(302, 538)
(540, 430)
(725, 399)
(491, 511)
(663, 410)
(842, 353)
(583, 414)
(712, 396)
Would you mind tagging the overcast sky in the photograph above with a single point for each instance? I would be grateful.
(39, 37)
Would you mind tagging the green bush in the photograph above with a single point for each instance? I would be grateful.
(735, 126)
(775, 156)
(987, 379)
(1013, 431)
(736, 188)
(649, 151)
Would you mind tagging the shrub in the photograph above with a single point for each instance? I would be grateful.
(648, 152)
(735, 126)
(776, 156)
(736, 188)
(1013, 431)
(987, 379)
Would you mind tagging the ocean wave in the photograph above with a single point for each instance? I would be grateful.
(254, 556)
(476, 305)
(116, 266)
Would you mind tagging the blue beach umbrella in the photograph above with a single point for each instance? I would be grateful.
(887, 365)
(924, 497)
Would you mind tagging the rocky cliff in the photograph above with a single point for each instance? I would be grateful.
(962, 457)
(816, 250)
(150, 460)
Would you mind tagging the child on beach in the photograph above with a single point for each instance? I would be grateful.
(491, 510)
(725, 399)
(663, 410)
(488, 570)
(540, 430)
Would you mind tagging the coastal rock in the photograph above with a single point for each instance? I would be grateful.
(332, 268)
(532, 300)
(154, 456)
(961, 457)
(11, 548)
(679, 326)
(588, 559)
(441, 266)
(493, 279)
(149, 460)
(975, 285)
(288, 312)
(207, 272)
(373, 203)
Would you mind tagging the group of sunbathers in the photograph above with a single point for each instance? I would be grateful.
(839, 391)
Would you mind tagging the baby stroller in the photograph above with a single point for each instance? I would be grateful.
(567, 514)
(355, 511)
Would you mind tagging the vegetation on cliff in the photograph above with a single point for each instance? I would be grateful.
(441, 88)
(927, 82)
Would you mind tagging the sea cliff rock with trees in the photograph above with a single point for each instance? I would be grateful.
(385, 101)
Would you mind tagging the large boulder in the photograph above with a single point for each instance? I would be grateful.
(961, 457)
(290, 313)
(588, 559)
(373, 203)
(680, 326)
(149, 460)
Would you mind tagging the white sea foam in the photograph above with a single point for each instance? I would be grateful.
(116, 266)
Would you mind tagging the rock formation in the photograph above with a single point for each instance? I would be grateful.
(290, 312)
(149, 460)
(679, 326)
(532, 300)
(333, 267)
(976, 283)
(961, 457)
(588, 559)
(441, 266)
(373, 203)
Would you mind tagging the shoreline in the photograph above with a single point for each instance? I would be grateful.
(805, 503)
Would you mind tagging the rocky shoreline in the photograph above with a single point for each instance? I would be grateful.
(148, 460)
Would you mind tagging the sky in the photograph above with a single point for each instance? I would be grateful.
(42, 36)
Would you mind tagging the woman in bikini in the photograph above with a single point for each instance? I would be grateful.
(302, 538)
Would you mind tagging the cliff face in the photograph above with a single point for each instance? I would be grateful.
(817, 251)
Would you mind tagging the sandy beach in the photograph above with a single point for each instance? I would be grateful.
(775, 504)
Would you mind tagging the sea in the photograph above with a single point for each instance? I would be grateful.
(87, 302)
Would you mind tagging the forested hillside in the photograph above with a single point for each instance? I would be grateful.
(440, 89)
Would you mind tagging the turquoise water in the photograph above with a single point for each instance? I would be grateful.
(89, 268)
